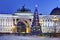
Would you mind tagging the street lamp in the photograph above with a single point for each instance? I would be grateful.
(55, 19)
(41, 22)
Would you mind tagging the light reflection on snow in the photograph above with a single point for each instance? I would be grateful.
(11, 37)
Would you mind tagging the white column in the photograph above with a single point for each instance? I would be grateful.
(8, 21)
(0, 25)
(11, 22)
(0, 22)
(5, 22)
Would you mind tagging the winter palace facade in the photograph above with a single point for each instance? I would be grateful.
(9, 22)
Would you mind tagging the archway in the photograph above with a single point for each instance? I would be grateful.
(22, 27)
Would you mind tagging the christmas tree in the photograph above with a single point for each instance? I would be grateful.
(35, 27)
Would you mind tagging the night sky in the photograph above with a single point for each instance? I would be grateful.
(44, 6)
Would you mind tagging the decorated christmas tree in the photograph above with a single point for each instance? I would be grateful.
(35, 27)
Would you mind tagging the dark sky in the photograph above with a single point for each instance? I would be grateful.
(44, 6)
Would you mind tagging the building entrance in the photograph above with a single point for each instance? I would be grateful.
(21, 27)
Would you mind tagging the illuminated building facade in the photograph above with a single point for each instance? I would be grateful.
(21, 21)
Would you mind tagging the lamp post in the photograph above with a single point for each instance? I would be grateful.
(55, 19)
(41, 22)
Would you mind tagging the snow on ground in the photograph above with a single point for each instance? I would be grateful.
(12, 37)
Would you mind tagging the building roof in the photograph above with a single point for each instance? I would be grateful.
(55, 11)
(23, 9)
